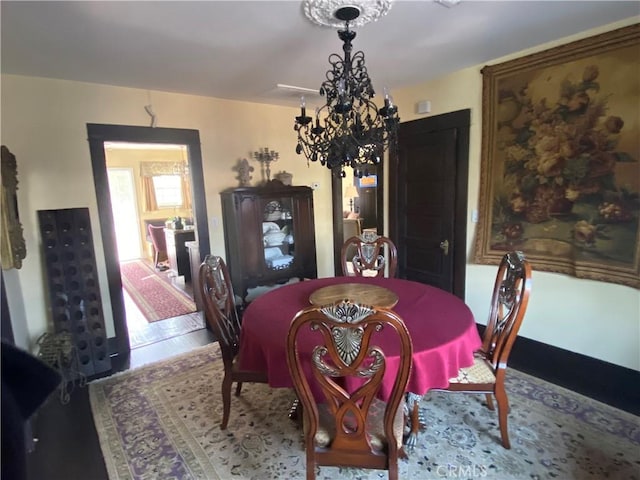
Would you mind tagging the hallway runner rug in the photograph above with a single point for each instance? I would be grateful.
(156, 298)
(162, 421)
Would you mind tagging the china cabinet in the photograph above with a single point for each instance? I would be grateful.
(269, 235)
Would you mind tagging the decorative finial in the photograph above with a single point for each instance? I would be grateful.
(244, 172)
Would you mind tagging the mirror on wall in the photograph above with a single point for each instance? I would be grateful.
(357, 205)
(99, 136)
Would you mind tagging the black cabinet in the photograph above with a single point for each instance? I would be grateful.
(194, 260)
(269, 234)
(177, 251)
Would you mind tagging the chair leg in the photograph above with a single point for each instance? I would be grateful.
(156, 256)
(416, 426)
(226, 401)
(489, 401)
(393, 469)
(238, 389)
(503, 411)
(311, 467)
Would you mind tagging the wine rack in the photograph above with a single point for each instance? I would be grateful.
(73, 289)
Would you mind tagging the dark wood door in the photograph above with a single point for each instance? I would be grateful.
(428, 200)
(367, 202)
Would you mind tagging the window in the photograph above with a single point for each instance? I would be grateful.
(165, 185)
(168, 190)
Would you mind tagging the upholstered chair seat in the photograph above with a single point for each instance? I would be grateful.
(480, 372)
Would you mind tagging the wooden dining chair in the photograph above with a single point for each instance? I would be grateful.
(369, 255)
(508, 306)
(222, 317)
(349, 428)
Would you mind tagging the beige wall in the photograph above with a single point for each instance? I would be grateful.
(44, 125)
(597, 319)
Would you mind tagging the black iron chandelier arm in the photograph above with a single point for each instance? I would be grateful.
(354, 131)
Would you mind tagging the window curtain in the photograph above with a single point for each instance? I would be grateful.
(186, 192)
(149, 194)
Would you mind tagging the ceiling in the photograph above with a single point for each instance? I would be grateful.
(243, 49)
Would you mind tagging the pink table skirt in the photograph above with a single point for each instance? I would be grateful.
(442, 329)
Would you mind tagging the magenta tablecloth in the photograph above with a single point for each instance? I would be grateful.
(442, 328)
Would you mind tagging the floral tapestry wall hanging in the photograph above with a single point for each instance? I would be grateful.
(560, 176)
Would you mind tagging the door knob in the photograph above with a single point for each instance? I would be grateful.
(444, 245)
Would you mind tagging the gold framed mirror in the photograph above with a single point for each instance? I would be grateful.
(13, 248)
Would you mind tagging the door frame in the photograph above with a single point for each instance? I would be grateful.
(98, 134)
(460, 121)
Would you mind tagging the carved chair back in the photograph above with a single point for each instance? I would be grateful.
(220, 308)
(340, 430)
(508, 305)
(370, 255)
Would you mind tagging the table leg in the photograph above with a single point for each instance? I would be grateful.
(415, 420)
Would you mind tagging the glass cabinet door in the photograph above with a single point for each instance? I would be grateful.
(278, 235)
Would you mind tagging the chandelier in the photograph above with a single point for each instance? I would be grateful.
(349, 130)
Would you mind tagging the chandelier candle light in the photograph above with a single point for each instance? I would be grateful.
(353, 131)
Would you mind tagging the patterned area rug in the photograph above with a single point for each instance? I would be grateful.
(162, 422)
(156, 298)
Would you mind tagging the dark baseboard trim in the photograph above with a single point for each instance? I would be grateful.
(603, 381)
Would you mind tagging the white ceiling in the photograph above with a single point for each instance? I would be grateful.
(243, 49)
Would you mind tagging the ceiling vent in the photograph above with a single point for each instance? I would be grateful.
(448, 3)
(290, 95)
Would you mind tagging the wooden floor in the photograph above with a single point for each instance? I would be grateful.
(67, 446)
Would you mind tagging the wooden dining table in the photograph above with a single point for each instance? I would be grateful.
(442, 328)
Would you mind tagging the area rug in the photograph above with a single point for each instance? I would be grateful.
(154, 295)
(162, 421)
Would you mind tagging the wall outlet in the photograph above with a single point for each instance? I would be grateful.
(474, 216)
(215, 223)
